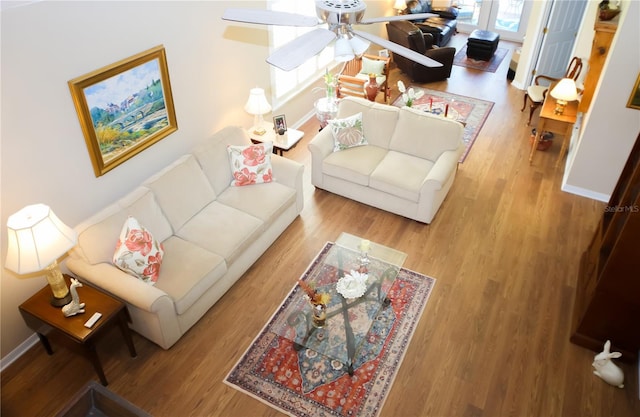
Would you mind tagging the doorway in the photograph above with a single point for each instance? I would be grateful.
(506, 17)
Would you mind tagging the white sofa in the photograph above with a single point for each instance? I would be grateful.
(407, 167)
(212, 233)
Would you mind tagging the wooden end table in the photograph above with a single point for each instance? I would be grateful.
(561, 124)
(281, 143)
(48, 321)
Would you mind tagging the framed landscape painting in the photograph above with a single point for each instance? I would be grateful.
(124, 108)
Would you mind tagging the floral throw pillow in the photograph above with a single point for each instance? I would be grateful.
(250, 164)
(138, 253)
(347, 132)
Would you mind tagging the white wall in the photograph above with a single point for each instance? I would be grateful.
(609, 129)
(212, 65)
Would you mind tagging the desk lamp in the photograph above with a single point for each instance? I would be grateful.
(564, 92)
(257, 105)
(36, 239)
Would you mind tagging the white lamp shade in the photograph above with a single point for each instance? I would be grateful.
(400, 5)
(358, 45)
(36, 238)
(257, 102)
(343, 51)
(565, 90)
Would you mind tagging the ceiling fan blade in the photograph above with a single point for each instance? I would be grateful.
(399, 49)
(269, 17)
(299, 50)
(417, 16)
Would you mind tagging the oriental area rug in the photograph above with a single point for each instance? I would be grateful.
(303, 383)
(462, 60)
(471, 112)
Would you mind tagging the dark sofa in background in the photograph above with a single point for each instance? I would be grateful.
(442, 28)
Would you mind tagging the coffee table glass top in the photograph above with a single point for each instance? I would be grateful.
(349, 321)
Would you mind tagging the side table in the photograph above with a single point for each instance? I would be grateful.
(561, 124)
(48, 321)
(281, 143)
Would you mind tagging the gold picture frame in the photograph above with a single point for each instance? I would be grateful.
(124, 108)
(634, 98)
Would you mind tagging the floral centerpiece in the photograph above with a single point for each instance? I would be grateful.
(352, 285)
(318, 303)
(410, 95)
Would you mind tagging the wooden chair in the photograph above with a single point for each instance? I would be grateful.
(537, 92)
(352, 77)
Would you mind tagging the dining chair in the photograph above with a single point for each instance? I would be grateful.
(537, 92)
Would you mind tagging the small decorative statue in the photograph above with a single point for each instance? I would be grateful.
(606, 369)
(75, 306)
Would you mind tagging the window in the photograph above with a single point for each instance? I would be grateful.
(285, 83)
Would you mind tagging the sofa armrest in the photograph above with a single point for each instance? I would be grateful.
(320, 147)
(441, 171)
(290, 173)
(121, 285)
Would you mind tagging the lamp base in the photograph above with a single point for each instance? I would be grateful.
(60, 292)
(60, 302)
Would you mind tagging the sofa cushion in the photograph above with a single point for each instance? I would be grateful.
(188, 271)
(354, 164)
(347, 132)
(182, 190)
(378, 120)
(274, 199)
(250, 164)
(411, 138)
(142, 205)
(401, 175)
(213, 159)
(98, 235)
(372, 66)
(222, 229)
(137, 252)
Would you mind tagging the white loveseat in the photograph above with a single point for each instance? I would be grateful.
(407, 167)
(212, 233)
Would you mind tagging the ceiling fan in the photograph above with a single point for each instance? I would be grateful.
(339, 15)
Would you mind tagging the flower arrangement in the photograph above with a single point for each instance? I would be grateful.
(314, 296)
(330, 83)
(409, 96)
(352, 285)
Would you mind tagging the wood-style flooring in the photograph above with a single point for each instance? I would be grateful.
(493, 340)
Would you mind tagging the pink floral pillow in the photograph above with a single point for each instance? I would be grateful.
(250, 164)
(138, 253)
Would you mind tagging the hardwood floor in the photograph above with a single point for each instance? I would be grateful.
(492, 341)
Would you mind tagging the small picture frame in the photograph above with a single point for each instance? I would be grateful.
(634, 98)
(280, 124)
(383, 53)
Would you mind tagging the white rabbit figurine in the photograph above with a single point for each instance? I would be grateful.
(606, 369)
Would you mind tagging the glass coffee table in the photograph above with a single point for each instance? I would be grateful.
(348, 320)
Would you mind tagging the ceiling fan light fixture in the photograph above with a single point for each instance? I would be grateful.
(343, 51)
(359, 45)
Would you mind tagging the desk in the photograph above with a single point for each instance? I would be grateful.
(281, 143)
(48, 321)
(561, 124)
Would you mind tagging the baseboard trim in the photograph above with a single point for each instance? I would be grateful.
(17, 352)
(584, 192)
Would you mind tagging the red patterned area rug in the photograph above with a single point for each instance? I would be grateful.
(471, 112)
(304, 383)
(462, 60)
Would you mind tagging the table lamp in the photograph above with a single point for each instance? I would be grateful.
(400, 5)
(257, 105)
(36, 239)
(564, 92)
